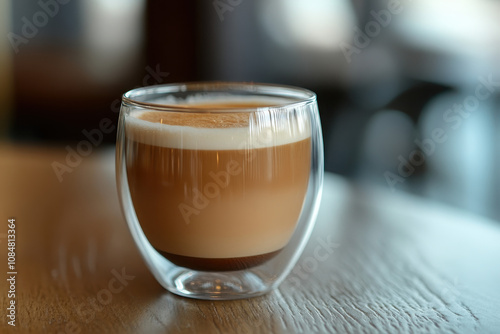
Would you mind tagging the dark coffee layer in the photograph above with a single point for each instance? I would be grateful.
(224, 264)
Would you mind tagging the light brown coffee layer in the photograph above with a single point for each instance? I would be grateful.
(218, 204)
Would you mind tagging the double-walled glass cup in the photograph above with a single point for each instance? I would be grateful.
(220, 183)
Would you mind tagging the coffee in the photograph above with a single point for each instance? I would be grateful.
(218, 191)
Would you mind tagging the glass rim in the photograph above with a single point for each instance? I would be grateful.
(298, 96)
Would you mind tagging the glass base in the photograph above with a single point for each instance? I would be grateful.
(217, 285)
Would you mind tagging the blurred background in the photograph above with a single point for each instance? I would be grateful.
(408, 91)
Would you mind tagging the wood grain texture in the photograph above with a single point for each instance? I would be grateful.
(377, 262)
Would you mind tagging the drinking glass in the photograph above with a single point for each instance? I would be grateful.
(219, 183)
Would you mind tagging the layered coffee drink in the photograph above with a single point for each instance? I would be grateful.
(218, 186)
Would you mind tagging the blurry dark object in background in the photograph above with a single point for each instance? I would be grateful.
(74, 61)
(71, 72)
(172, 38)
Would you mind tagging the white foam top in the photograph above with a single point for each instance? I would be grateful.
(269, 126)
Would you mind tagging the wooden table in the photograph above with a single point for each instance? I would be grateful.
(394, 263)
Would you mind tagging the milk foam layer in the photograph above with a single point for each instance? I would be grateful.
(267, 127)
